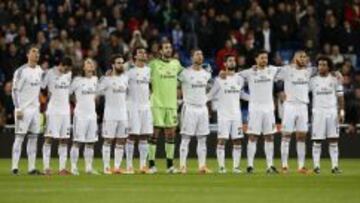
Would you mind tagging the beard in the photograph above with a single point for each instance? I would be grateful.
(119, 71)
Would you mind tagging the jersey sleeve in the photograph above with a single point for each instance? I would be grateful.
(18, 83)
(281, 73)
(102, 85)
(181, 76)
(312, 84)
(46, 79)
(339, 87)
(245, 74)
(75, 84)
(179, 67)
(214, 91)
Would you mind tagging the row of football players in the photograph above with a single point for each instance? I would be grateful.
(127, 104)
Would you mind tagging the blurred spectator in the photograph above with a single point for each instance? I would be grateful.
(336, 56)
(266, 38)
(7, 103)
(137, 41)
(177, 36)
(227, 50)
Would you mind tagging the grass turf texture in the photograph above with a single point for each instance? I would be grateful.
(192, 187)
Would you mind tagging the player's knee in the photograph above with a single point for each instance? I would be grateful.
(236, 142)
(332, 140)
(120, 141)
(63, 141)
(286, 138)
(253, 138)
(202, 140)
(221, 141)
(170, 139)
(108, 141)
(48, 140)
(269, 138)
(144, 137)
(131, 138)
(89, 145)
(153, 140)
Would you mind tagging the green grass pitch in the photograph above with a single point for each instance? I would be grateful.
(259, 187)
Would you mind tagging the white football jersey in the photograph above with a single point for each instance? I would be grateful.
(58, 85)
(26, 87)
(261, 83)
(227, 92)
(115, 90)
(325, 91)
(296, 83)
(84, 89)
(194, 84)
(139, 87)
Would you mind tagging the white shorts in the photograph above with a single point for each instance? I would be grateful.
(85, 130)
(58, 126)
(114, 129)
(261, 122)
(140, 121)
(230, 129)
(194, 120)
(324, 124)
(30, 123)
(295, 118)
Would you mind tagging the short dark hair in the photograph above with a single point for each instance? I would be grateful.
(259, 52)
(31, 46)
(227, 56)
(116, 56)
(164, 42)
(192, 52)
(328, 60)
(66, 61)
(135, 50)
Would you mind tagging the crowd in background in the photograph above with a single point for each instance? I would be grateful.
(98, 29)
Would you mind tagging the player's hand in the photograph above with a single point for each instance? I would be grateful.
(351, 130)
(341, 116)
(222, 74)
(338, 76)
(19, 114)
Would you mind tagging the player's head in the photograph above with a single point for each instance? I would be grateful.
(300, 58)
(89, 67)
(324, 65)
(65, 64)
(33, 54)
(197, 57)
(230, 62)
(140, 54)
(117, 63)
(261, 58)
(166, 50)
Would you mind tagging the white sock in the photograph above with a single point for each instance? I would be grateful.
(184, 150)
(46, 151)
(334, 154)
(251, 151)
(16, 151)
(220, 152)
(74, 156)
(88, 156)
(31, 149)
(201, 150)
(63, 153)
(316, 153)
(301, 152)
(143, 152)
(129, 154)
(236, 155)
(118, 155)
(106, 155)
(285, 145)
(269, 153)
